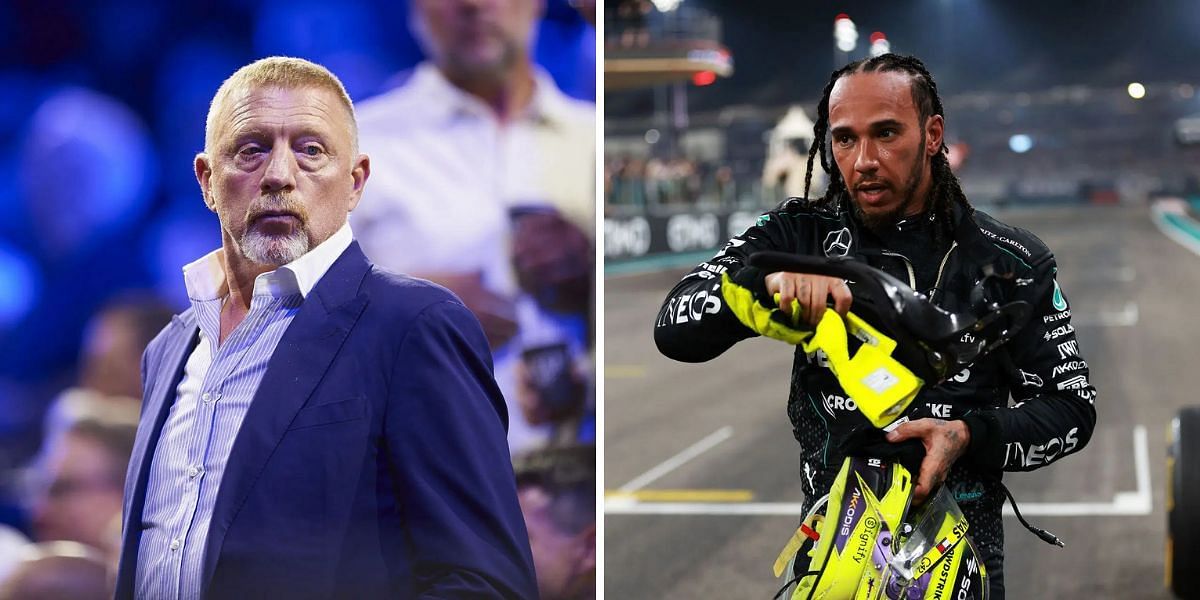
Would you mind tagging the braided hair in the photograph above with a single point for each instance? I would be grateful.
(945, 191)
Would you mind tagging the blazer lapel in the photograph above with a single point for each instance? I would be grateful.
(157, 399)
(299, 363)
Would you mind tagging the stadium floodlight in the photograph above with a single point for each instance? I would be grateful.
(652, 136)
(879, 44)
(667, 5)
(845, 32)
(1136, 91)
(1020, 143)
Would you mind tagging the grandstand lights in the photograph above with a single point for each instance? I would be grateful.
(845, 32)
(1137, 91)
(667, 5)
(879, 44)
(1020, 143)
(704, 78)
(652, 136)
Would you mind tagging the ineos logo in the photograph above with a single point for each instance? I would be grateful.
(837, 243)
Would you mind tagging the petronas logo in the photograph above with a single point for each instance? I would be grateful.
(1060, 303)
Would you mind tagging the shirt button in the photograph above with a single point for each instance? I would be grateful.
(174, 545)
(194, 471)
(206, 397)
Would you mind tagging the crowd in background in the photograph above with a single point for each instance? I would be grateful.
(676, 182)
(1087, 144)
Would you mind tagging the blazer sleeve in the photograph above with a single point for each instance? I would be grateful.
(446, 439)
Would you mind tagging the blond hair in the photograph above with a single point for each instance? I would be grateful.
(282, 72)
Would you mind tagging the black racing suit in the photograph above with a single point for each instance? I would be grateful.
(1052, 414)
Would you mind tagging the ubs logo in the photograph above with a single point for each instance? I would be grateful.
(837, 243)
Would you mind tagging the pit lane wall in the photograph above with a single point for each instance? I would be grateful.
(632, 237)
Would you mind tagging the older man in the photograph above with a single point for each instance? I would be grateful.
(313, 426)
(486, 184)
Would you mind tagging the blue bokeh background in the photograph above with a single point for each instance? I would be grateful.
(102, 108)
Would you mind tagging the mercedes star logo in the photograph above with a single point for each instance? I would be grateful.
(837, 243)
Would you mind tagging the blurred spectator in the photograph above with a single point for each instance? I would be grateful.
(677, 182)
(13, 544)
(557, 489)
(476, 144)
(58, 571)
(77, 483)
(631, 22)
(114, 342)
(110, 379)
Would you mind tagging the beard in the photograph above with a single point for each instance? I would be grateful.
(273, 249)
(885, 221)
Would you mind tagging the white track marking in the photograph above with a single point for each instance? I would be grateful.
(1135, 503)
(678, 460)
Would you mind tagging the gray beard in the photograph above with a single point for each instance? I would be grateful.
(273, 250)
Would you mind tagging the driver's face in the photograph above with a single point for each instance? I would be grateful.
(880, 145)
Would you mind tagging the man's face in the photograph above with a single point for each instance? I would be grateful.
(881, 146)
(476, 38)
(282, 175)
(564, 563)
(80, 493)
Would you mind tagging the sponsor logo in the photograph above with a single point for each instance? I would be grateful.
(818, 358)
(964, 590)
(1005, 240)
(1067, 367)
(851, 510)
(1089, 395)
(926, 562)
(833, 402)
(1068, 348)
(1058, 332)
(864, 538)
(1030, 379)
(1035, 455)
(1022, 282)
(1059, 303)
(626, 238)
(708, 271)
(962, 376)
(964, 492)
(732, 243)
(941, 411)
(762, 220)
(1077, 382)
(967, 338)
(944, 576)
(686, 308)
(837, 243)
(692, 232)
(874, 462)
(1058, 316)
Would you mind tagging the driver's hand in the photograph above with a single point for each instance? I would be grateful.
(944, 441)
(811, 292)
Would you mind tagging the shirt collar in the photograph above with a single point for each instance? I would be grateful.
(205, 277)
(548, 105)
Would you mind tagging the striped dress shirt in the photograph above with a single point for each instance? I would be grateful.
(220, 380)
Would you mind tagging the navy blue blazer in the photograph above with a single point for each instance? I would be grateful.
(372, 462)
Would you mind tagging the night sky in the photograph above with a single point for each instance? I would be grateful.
(783, 51)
